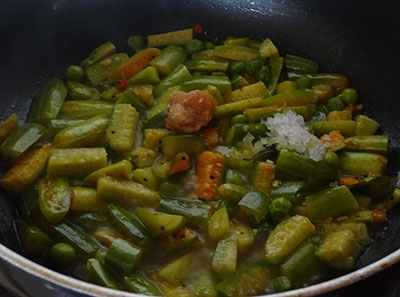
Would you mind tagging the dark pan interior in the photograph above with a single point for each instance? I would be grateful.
(357, 38)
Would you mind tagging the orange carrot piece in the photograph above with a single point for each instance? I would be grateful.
(136, 63)
(209, 174)
(210, 135)
(180, 163)
(26, 170)
(348, 181)
(333, 141)
(378, 215)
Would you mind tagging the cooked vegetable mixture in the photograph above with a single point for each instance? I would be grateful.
(197, 167)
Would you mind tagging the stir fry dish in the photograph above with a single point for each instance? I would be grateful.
(197, 166)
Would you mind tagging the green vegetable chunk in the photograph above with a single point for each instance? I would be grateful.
(112, 189)
(160, 224)
(137, 283)
(123, 255)
(286, 237)
(339, 250)
(169, 58)
(34, 240)
(75, 162)
(54, 198)
(176, 143)
(48, 101)
(360, 163)
(250, 280)
(62, 254)
(218, 225)
(122, 128)
(99, 274)
(255, 204)
(176, 271)
(225, 257)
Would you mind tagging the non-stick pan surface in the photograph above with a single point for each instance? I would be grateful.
(361, 39)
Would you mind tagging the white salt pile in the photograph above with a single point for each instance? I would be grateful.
(288, 130)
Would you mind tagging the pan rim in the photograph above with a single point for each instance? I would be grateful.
(79, 286)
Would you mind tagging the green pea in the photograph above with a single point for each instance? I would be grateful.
(253, 66)
(238, 119)
(136, 42)
(218, 73)
(62, 254)
(335, 104)
(236, 67)
(194, 45)
(257, 129)
(263, 74)
(331, 158)
(280, 207)
(303, 82)
(75, 73)
(349, 96)
(209, 45)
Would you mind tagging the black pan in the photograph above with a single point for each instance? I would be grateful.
(357, 38)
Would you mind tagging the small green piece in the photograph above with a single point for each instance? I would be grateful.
(280, 207)
(143, 157)
(366, 125)
(91, 132)
(291, 98)
(330, 203)
(281, 284)
(179, 75)
(232, 191)
(112, 189)
(160, 224)
(335, 103)
(345, 127)
(238, 82)
(244, 237)
(180, 37)
(194, 45)
(176, 271)
(250, 280)
(54, 198)
(62, 254)
(215, 65)
(137, 283)
(34, 241)
(129, 225)
(136, 42)
(130, 97)
(122, 128)
(99, 53)
(104, 69)
(85, 109)
(254, 115)
(196, 213)
(300, 65)
(225, 257)
(275, 66)
(233, 108)
(236, 179)
(146, 177)
(76, 162)
(286, 237)
(268, 49)
(100, 275)
(201, 82)
(148, 75)
(80, 91)
(75, 73)
(368, 143)
(323, 91)
(219, 226)
(303, 82)
(123, 255)
(75, 236)
(236, 52)
(360, 163)
(339, 250)
(263, 74)
(122, 169)
(349, 96)
(237, 68)
(20, 139)
(177, 143)
(253, 66)
(48, 101)
(169, 59)
(256, 205)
